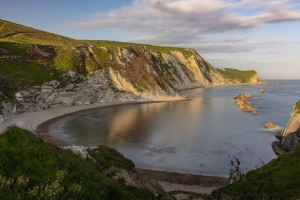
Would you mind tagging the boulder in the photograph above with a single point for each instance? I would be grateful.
(270, 125)
(261, 91)
(1, 119)
(254, 112)
(279, 135)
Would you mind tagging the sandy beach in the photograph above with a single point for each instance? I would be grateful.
(30, 121)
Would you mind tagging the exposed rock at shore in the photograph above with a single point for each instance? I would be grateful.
(277, 148)
(255, 112)
(262, 91)
(242, 101)
(291, 134)
(270, 125)
(279, 135)
(290, 137)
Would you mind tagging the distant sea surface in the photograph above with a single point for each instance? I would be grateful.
(201, 136)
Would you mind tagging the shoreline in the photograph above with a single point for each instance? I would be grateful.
(39, 122)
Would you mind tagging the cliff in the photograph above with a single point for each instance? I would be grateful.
(291, 134)
(40, 70)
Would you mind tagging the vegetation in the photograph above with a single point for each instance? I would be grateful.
(297, 107)
(236, 75)
(277, 180)
(191, 195)
(32, 169)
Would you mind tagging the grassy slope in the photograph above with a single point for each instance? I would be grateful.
(30, 168)
(279, 179)
(297, 107)
(234, 74)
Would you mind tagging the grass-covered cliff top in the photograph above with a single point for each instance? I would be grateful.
(237, 75)
(297, 107)
(16, 33)
(278, 179)
(33, 169)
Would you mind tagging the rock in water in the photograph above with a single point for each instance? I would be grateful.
(270, 125)
(254, 112)
(262, 91)
(241, 100)
(279, 135)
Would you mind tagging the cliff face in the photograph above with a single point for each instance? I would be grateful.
(291, 134)
(138, 74)
(37, 74)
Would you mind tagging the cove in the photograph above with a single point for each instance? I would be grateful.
(201, 136)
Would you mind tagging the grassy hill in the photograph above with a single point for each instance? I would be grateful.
(279, 179)
(33, 169)
(31, 57)
(235, 75)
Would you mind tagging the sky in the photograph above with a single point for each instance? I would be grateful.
(263, 35)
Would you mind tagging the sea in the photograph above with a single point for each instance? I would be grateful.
(201, 136)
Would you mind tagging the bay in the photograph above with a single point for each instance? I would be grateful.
(201, 136)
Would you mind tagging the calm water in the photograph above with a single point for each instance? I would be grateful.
(199, 136)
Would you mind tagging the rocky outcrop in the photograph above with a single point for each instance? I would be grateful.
(242, 101)
(261, 91)
(269, 125)
(291, 134)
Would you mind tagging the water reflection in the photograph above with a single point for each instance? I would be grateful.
(199, 136)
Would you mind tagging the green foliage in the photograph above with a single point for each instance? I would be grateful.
(32, 169)
(107, 157)
(63, 60)
(22, 67)
(11, 32)
(277, 180)
(191, 195)
(158, 49)
(297, 107)
(237, 75)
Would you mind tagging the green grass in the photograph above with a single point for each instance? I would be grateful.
(159, 49)
(235, 74)
(30, 168)
(12, 32)
(26, 69)
(277, 180)
(297, 107)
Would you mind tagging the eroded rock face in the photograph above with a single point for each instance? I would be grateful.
(242, 101)
(161, 76)
(291, 134)
(8, 109)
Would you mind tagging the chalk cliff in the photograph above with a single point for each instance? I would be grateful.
(41, 70)
(291, 134)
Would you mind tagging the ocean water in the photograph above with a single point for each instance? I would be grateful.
(201, 136)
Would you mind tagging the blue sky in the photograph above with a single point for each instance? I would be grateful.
(245, 34)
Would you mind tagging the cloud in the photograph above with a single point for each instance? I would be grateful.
(192, 22)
